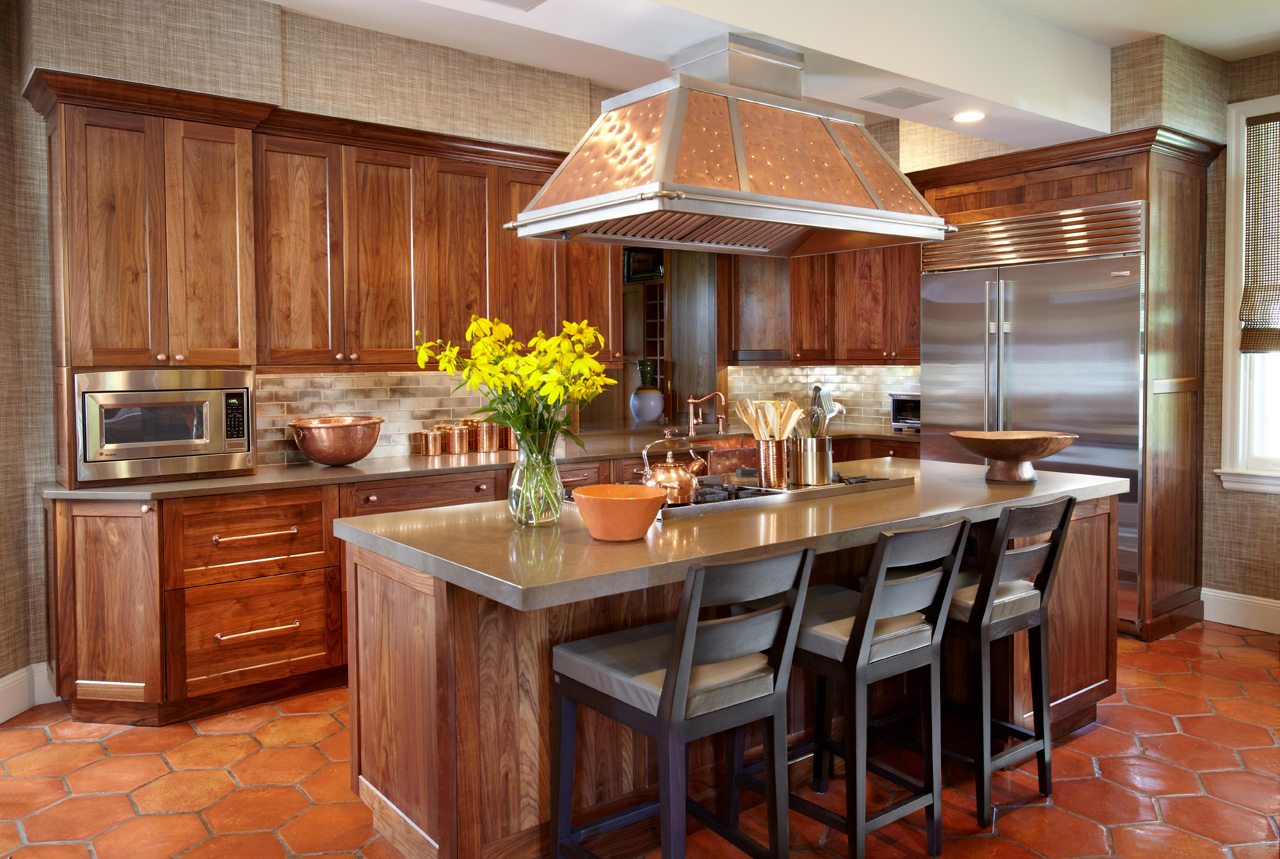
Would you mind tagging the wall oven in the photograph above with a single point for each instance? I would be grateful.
(162, 423)
(904, 411)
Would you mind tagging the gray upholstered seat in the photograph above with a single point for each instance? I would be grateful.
(1012, 598)
(828, 622)
(631, 664)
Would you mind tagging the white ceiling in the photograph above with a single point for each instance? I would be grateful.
(1039, 69)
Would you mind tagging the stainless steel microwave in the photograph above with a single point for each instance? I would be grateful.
(161, 423)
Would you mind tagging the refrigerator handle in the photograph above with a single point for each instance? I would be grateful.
(986, 356)
(1002, 329)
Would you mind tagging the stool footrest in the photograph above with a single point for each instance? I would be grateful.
(733, 835)
(610, 822)
(1016, 754)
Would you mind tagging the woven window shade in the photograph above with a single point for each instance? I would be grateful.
(1260, 303)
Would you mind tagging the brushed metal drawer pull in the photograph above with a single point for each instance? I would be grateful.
(578, 479)
(290, 531)
(235, 636)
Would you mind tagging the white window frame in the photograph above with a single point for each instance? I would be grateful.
(1236, 472)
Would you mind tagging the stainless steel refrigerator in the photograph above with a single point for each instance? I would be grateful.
(1043, 346)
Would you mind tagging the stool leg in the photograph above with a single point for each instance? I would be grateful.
(1038, 639)
(735, 750)
(931, 752)
(673, 792)
(777, 785)
(855, 766)
(564, 724)
(821, 734)
(982, 750)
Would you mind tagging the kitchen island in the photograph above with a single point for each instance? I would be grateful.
(452, 614)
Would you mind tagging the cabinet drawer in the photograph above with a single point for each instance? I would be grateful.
(881, 447)
(390, 496)
(627, 470)
(238, 633)
(584, 475)
(226, 538)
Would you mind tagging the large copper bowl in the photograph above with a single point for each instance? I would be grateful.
(618, 512)
(336, 439)
(1009, 453)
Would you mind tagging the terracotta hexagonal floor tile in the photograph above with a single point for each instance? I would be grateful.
(1267, 850)
(183, 791)
(1168, 701)
(1225, 731)
(1211, 637)
(329, 827)
(1261, 657)
(151, 837)
(321, 701)
(69, 730)
(219, 750)
(53, 759)
(380, 848)
(41, 716)
(1149, 776)
(1136, 720)
(1132, 678)
(1249, 710)
(1053, 832)
(1155, 663)
(1099, 741)
(1269, 692)
(1182, 649)
(342, 715)
(1190, 752)
(254, 809)
(337, 746)
(1262, 760)
(142, 741)
(78, 818)
(1229, 670)
(237, 721)
(1156, 839)
(19, 740)
(1263, 639)
(20, 797)
(331, 784)
(297, 730)
(259, 845)
(1203, 685)
(9, 839)
(52, 851)
(1215, 819)
(1124, 644)
(279, 766)
(1103, 802)
(1066, 763)
(117, 775)
(1252, 790)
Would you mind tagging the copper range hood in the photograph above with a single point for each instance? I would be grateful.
(731, 161)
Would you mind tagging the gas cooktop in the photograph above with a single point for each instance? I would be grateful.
(723, 493)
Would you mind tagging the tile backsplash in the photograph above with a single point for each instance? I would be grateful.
(863, 391)
(407, 401)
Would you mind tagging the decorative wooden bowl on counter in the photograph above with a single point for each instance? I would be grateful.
(1009, 453)
(336, 439)
(619, 512)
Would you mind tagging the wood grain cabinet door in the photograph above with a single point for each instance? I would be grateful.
(761, 309)
(457, 261)
(593, 291)
(385, 253)
(299, 250)
(810, 297)
(525, 288)
(902, 280)
(859, 290)
(209, 218)
(115, 238)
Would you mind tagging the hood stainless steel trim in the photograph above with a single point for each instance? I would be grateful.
(745, 172)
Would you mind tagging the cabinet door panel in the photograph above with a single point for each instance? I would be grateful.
(525, 280)
(761, 309)
(859, 306)
(902, 280)
(209, 217)
(115, 238)
(457, 265)
(300, 300)
(384, 197)
(811, 338)
(593, 291)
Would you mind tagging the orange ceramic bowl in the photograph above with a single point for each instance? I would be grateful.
(619, 512)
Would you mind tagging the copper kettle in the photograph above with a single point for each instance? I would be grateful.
(679, 480)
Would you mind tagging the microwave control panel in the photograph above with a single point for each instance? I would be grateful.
(236, 409)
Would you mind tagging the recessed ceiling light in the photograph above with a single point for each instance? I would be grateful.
(969, 116)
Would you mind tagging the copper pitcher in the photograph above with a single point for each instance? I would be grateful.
(679, 480)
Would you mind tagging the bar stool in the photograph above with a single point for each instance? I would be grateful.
(678, 682)
(1010, 594)
(894, 626)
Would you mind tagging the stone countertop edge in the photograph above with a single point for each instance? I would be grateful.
(600, 445)
(374, 533)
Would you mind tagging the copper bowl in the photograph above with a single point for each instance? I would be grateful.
(618, 512)
(336, 439)
(1009, 453)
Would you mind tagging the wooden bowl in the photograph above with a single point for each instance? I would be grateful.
(1009, 453)
(619, 512)
(336, 439)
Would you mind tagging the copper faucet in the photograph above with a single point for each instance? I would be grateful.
(695, 414)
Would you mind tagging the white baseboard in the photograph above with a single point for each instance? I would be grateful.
(1241, 610)
(24, 689)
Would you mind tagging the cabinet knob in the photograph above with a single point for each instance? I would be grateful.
(353, 356)
(482, 487)
(891, 453)
(339, 356)
(146, 508)
(893, 354)
(162, 357)
(797, 355)
(617, 354)
(179, 357)
(371, 499)
(884, 354)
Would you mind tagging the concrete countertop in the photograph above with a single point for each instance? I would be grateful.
(477, 547)
(601, 444)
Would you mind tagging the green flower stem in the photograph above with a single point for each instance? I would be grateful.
(536, 495)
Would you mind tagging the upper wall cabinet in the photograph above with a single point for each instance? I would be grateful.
(760, 322)
(152, 227)
(525, 281)
(593, 291)
(877, 305)
(457, 257)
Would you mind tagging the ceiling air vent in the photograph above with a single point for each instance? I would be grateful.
(901, 98)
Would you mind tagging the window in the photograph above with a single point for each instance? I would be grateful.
(1251, 310)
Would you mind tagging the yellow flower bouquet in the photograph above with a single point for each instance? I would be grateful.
(528, 387)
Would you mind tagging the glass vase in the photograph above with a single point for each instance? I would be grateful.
(535, 494)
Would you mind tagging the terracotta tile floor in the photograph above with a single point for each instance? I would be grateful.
(1184, 762)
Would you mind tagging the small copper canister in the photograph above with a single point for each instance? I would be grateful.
(489, 436)
(459, 439)
(427, 443)
(510, 441)
(473, 432)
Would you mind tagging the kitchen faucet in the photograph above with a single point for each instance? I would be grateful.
(695, 414)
